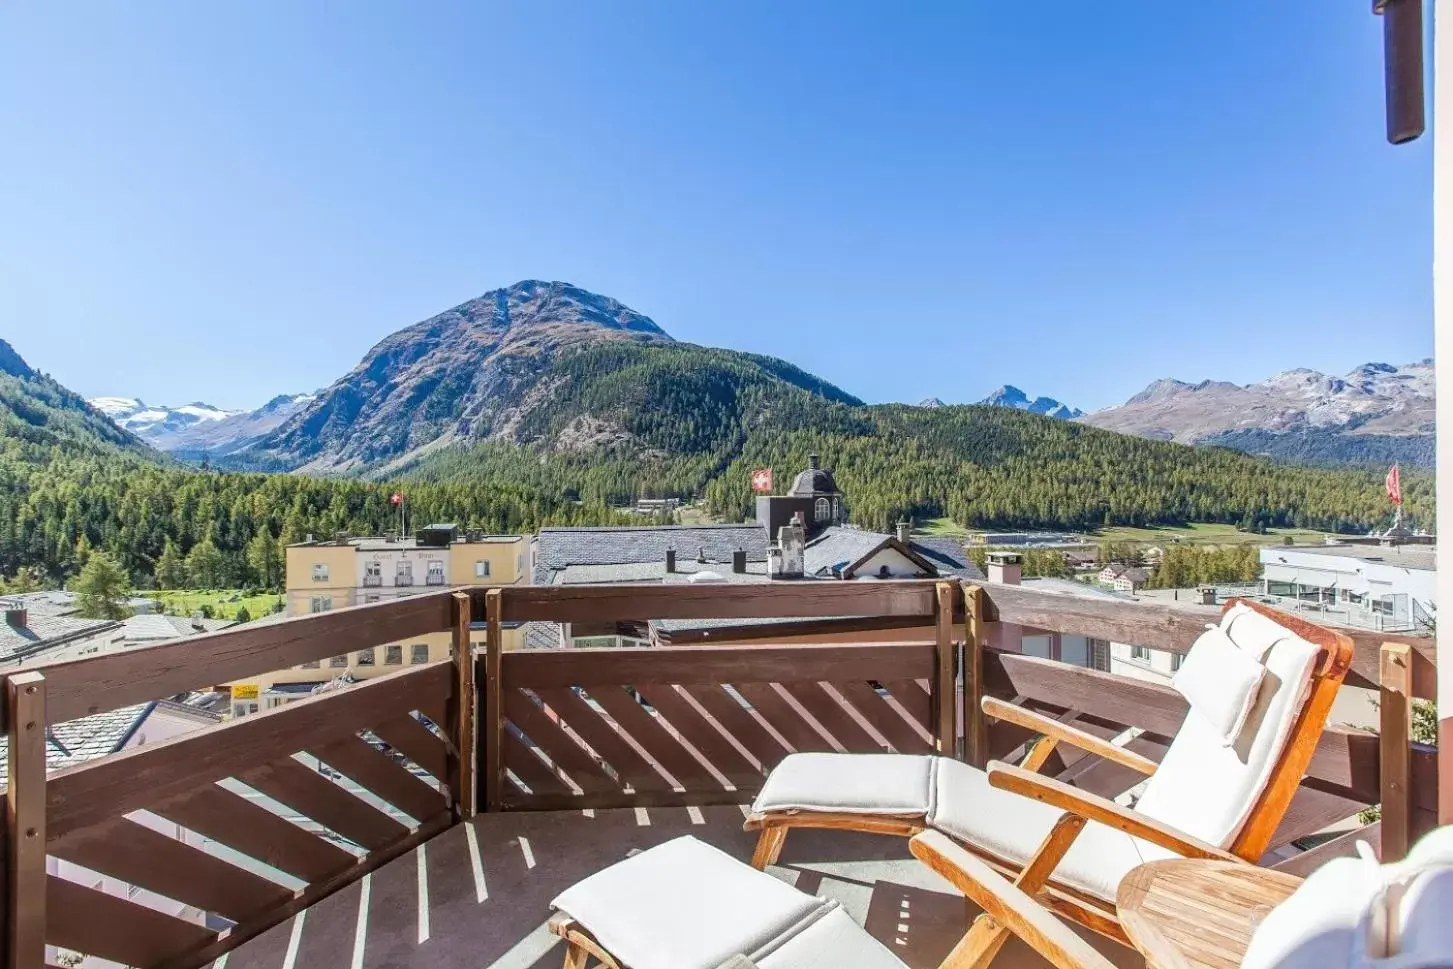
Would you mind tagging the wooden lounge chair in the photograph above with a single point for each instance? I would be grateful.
(1212, 796)
(686, 905)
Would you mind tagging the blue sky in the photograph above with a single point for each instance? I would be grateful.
(229, 201)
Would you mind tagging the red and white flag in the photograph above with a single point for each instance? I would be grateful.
(762, 480)
(1394, 486)
(397, 498)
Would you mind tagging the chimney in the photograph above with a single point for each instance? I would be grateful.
(787, 555)
(905, 531)
(701, 554)
(812, 460)
(309, 539)
(670, 560)
(739, 561)
(1208, 595)
(1004, 568)
(16, 615)
(197, 623)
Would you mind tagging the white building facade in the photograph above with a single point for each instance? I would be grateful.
(1391, 588)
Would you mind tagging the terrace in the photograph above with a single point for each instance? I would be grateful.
(443, 847)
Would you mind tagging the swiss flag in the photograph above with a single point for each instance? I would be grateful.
(1394, 486)
(762, 480)
(397, 499)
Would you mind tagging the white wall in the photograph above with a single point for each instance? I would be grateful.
(1443, 352)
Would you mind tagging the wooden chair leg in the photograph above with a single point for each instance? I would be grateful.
(575, 956)
(987, 936)
(769, 846)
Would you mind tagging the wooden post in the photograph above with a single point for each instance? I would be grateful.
(945, 692)
(493, 720)
(1395, 757)
(461, 726)
(25, 820)
(976, 727)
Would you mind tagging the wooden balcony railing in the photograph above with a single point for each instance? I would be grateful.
(880, 666)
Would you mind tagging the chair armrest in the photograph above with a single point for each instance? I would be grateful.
(1093, 807)
(1039, 723)
(1006, 904)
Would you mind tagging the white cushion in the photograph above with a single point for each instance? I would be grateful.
(1011, 827)
(1252, 631)
(1208, 789)
(1220, 681)
(894, 785)
(830, 941)
(1353, 912)
(684, 905)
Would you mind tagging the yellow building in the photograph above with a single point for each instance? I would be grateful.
(349, 571)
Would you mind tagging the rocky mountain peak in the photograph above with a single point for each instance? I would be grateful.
(1011, 396)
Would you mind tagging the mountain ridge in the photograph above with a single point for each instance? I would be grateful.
(1011, 396)
(1375, 412)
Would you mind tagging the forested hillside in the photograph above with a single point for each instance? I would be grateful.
(52, 515)
(682, 420)
(39, 417)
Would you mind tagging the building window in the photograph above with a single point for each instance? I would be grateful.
(370, 598)
(404, 573)
(822, 510)
(320, 603)
(481, 570)
(419, 653)
(1176, 659)
(436, 572)
(365, 657)
(393, 655)
(1141, 653)
(373, 573)
(312, 664)
(338, 661)
(320, 572)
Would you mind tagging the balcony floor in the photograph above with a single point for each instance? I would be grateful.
(478, 896)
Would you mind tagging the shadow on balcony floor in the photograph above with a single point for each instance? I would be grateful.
(478, 896)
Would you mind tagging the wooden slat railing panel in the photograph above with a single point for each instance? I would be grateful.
(85, 920)
(377, 772)
(783, 716)
(137, 855)
(899, 731)
(414, 740)
(708, 741)
(736, 720)
(579, 766)
(312, 795)
(647, 732)
(256, 832)
(92, 792)
(94, 684)
(831, 716)
(533, 772)
(614, 603)
(584, 722)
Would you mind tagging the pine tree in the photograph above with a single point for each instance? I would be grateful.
(204, 565)
(171, 569)
(102, 587)
(264, 560)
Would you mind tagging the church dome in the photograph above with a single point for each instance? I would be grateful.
(813, 481)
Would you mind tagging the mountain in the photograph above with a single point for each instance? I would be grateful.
(38, 415)
(1377, 413)
(1011, 396)
(930, 402)
(536, 361)
(197, 429)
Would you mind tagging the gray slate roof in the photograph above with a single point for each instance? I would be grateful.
(560, 548)
(77, 741)
(948, 556)
(838, 545)
(39, 632)
(149, 629)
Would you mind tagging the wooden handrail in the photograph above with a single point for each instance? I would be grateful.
(108, 681)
